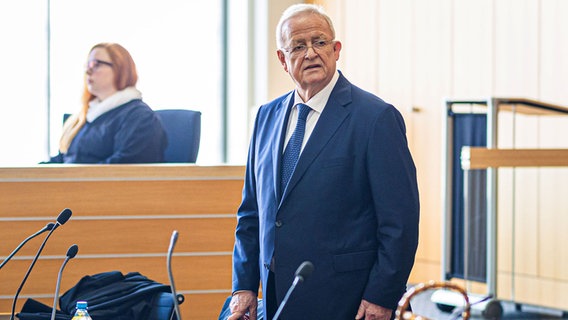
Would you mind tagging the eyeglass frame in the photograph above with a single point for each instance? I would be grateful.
(96, 63)
(302, 48)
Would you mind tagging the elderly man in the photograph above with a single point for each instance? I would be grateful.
(330, 180)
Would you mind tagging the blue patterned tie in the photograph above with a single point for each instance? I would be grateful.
(292, 152)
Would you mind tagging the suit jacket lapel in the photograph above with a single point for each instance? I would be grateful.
(331, 118)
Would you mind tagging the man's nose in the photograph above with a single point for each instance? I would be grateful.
(310, 52)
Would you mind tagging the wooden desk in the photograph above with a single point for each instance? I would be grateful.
(123, 218)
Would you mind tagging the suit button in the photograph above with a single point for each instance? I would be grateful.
(278, 223)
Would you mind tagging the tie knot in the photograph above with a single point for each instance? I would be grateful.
(303, 110)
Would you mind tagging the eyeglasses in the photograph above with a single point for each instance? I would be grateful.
(95, 64)
(301, 48)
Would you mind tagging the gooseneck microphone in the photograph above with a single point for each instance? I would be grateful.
(48, 227)
(61, 219)
(71, 253)
(173, 241)
(303, 271)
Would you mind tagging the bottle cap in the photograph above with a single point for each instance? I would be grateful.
(81, 304)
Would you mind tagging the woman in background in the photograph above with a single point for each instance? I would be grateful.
(114, 125)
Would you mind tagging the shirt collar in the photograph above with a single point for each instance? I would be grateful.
(319, 100)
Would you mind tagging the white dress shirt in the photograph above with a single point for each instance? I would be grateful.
(317, 103)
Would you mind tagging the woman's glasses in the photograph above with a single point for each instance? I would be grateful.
(95, 64)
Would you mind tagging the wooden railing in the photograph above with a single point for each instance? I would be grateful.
(483, 158)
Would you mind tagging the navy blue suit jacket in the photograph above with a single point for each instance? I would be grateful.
(131, 133)
(351, 207)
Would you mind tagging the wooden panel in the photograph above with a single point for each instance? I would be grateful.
(395, 69)
(505, 232)
(516, 48)
(203, 306)
(525, 211)
(360, 15)
(114, 236)
(123, 218)
(471, 286)
(472, 64)
(190, 272)
(553, 50)
(552, 257)
(424, 271)
(533, 290)
(431, 60)
(134, 172)
(120, 197)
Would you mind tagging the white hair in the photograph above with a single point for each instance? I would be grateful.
(296, 10)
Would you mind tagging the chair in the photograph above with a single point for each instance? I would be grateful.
(163, 307)
(183, 129)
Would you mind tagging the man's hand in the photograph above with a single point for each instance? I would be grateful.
(369, 311)
(241, 303)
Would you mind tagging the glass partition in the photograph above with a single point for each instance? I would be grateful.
(178, 47)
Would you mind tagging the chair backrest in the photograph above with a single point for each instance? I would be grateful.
(163, 307)
(183, 129)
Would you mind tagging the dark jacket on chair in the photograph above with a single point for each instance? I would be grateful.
(110, 295)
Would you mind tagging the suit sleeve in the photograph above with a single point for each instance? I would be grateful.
(392, 178)
(246, 270)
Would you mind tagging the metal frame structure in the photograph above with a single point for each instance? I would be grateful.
(492, 106)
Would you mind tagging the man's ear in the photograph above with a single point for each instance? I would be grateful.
(282, 59)
(336, 49)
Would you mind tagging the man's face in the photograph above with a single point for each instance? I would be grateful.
(309, 54)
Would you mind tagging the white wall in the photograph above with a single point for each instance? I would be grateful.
(415, 53)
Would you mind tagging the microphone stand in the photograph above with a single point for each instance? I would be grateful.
(49, 226)
(71, 253)
(61, 219)
(304, 270)
(28, 273)
(173, 241)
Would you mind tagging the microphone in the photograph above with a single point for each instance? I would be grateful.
(48, 227)
(303, 271)
(173, 241)
(61, 219)
(71, 253)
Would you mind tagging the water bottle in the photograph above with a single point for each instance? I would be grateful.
(81, 313)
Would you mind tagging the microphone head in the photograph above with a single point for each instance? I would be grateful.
(64, 216)
(304, 270)
(72, 251)
(174, 237)
(173, 241)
